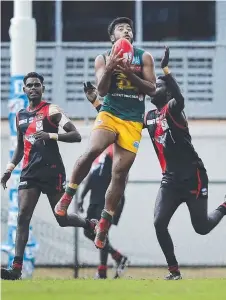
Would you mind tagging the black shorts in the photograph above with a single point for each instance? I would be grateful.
(194, 187)
(51, 186)
(94, 211)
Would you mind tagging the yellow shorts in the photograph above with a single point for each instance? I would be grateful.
(128, 132)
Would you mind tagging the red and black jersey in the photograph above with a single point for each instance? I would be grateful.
(169, 132)
(38, 154)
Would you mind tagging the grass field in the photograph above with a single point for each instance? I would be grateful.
(123, 289)
(138, 283)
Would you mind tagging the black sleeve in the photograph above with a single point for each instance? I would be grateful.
(145, 120)
(87, 186)
(175, 105)
(98, 107)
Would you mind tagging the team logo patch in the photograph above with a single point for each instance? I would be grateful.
(39, 125)
(40, 116)
(30, 138)
(136, 144)
(204, 192)
(164, 124)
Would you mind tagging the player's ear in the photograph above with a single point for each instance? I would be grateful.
(24, 89)
(112, 38)
(43, 88)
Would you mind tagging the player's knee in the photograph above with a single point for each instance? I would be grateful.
(62, 221)
(94, 152)
(200, 230)
(89, 235)
(159, 224)
(119, 174)
(23, 218)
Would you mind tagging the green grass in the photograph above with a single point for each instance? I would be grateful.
(198, 289)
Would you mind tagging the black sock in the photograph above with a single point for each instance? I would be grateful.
(103, 257)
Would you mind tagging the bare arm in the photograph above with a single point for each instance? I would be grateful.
(58, 118)
(103, 76)
(17, 156)
(72, 135)
(175, 105)
(19, 151)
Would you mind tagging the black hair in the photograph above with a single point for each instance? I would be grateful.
(117, 21)
(33, 75)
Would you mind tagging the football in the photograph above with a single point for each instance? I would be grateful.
(126, 47)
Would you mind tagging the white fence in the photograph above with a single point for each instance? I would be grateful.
(66, 67)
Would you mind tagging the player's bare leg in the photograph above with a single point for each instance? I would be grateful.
(70, 220)
(28, 199)
(100, 139)
(122, 162)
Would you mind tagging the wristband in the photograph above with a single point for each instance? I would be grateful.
(53, 136)
(166, 70)
(96, 103)
(10, 167)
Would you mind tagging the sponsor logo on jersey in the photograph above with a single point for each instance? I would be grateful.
(24, 121)
(99, 122)
(204, 191)
(164, 124)
(136, 144)
(161, 139)
(136, 60)
(39, 125)
(23, 183)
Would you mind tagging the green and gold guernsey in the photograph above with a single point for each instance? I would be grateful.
(124, 100)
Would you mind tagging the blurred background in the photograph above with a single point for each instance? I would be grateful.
(70, 34)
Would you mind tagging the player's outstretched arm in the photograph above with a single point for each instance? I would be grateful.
(147, 85)
(177, 103)
(58, 118)
(92, 95)
(17, 156)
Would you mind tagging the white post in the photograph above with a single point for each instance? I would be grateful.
(22, 32)
(139, 22)
(58, 22)
(220, 59)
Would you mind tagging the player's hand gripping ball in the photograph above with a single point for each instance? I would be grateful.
(126, 49)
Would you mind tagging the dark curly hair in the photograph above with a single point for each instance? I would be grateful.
(117, 21)
(33, 75)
